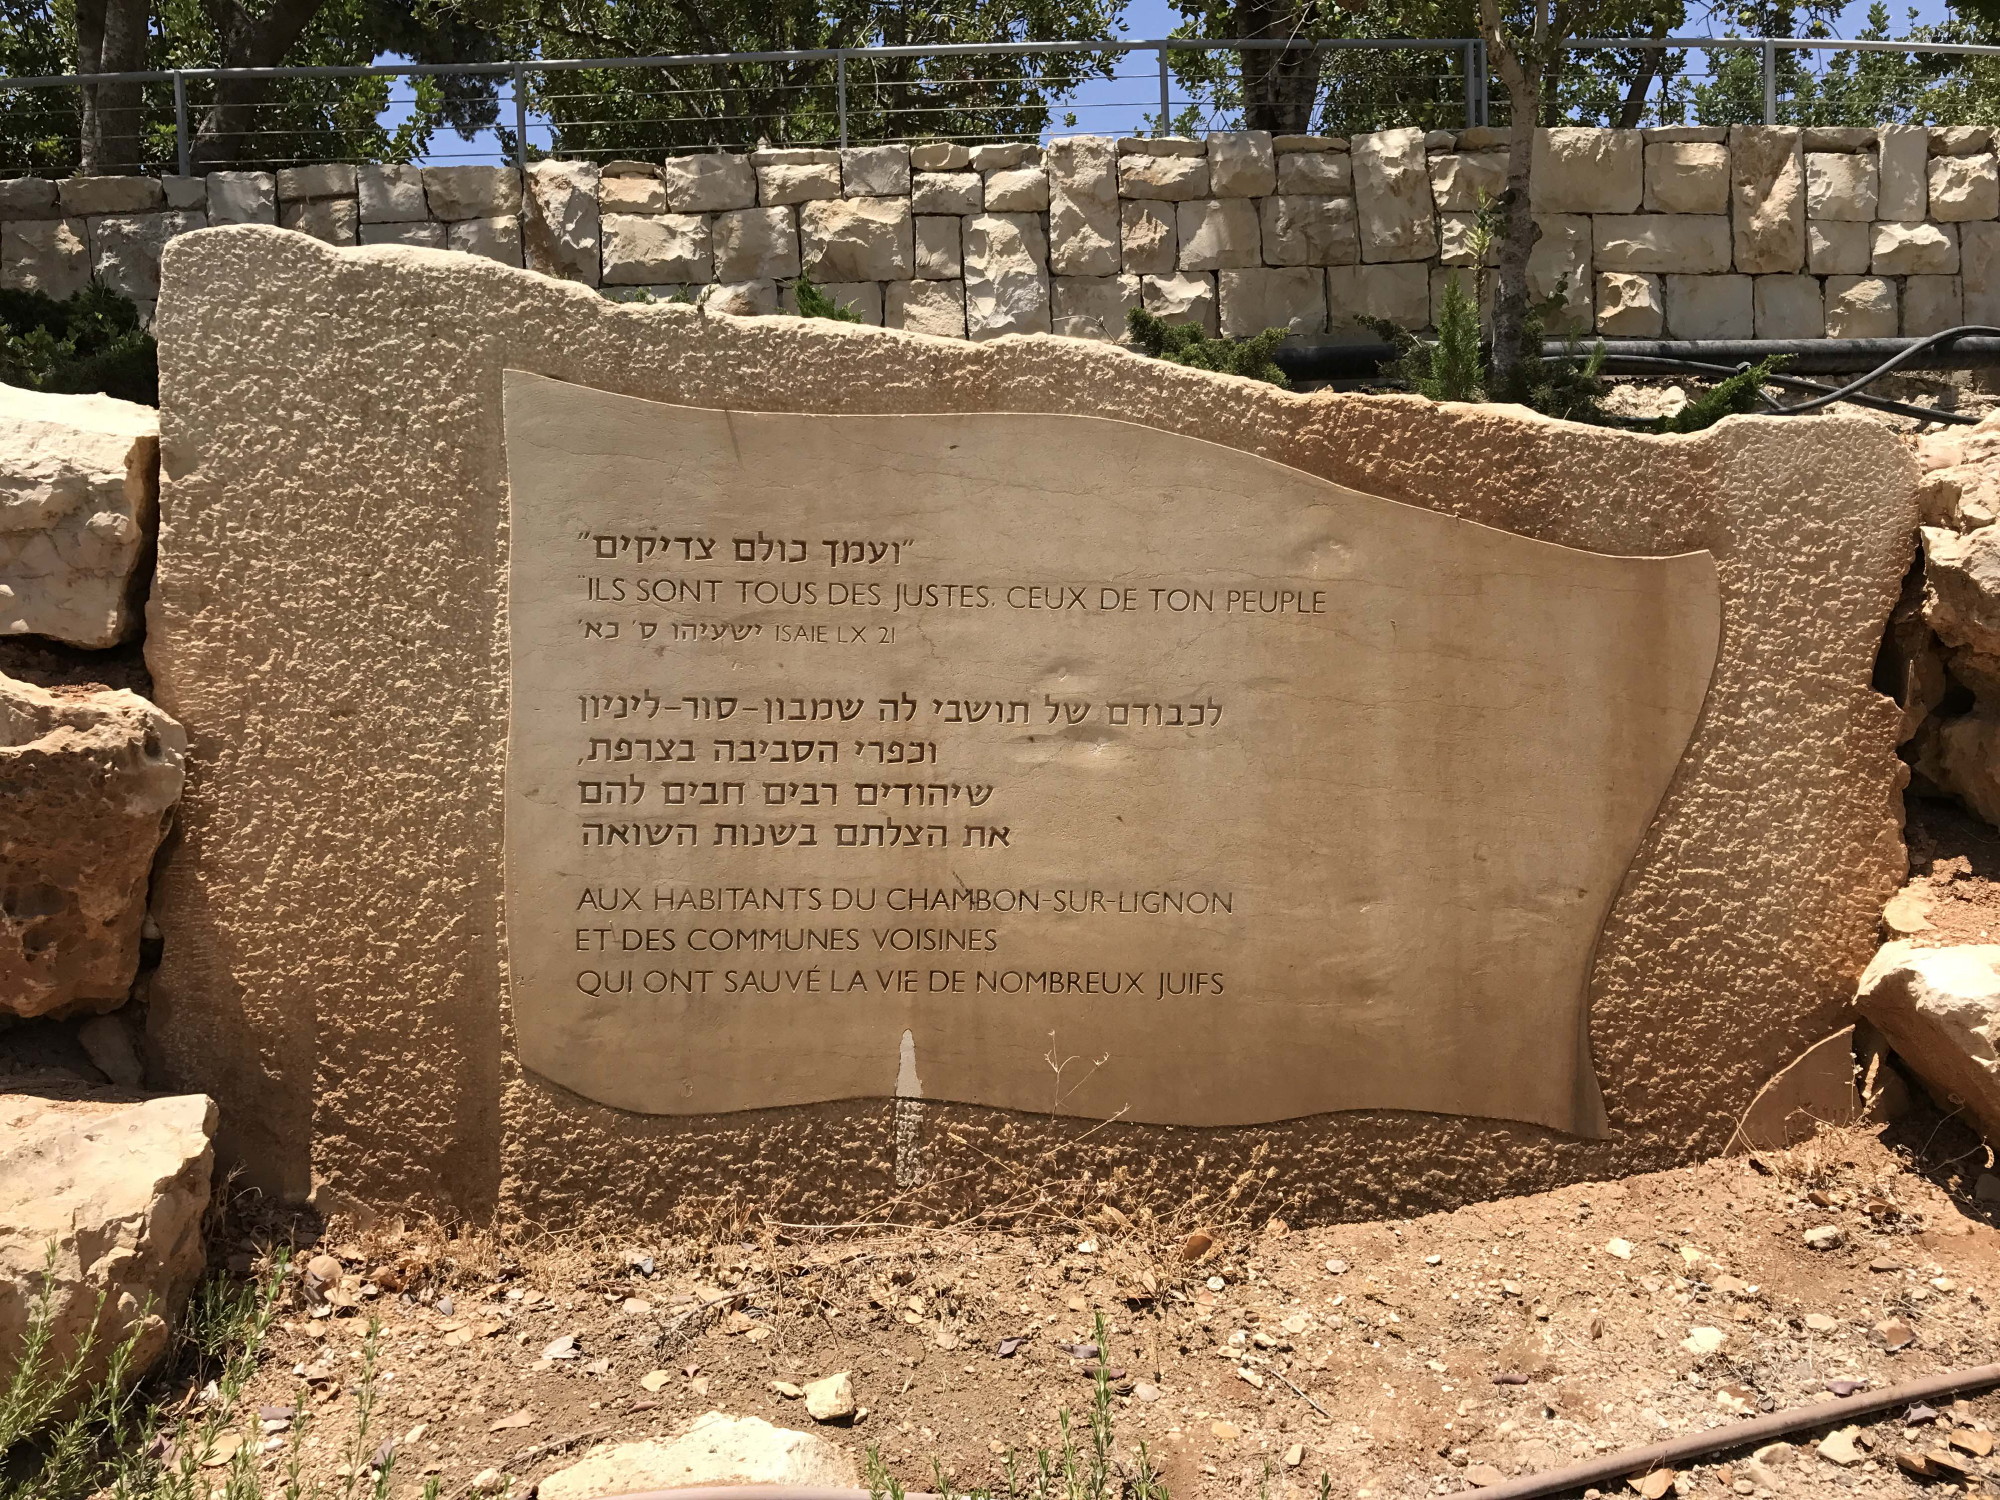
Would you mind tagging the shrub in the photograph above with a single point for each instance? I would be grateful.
(89, 342)
(1185, 344)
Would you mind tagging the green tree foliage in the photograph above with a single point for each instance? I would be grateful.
(815, 303)
(91, 342)
(1185, 344)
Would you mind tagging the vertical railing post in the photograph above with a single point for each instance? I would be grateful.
(840, 92)
(1485, 85)
(1471, 85)
(1770, 50)
(520, 120)
(182, 149)
(1166, 96)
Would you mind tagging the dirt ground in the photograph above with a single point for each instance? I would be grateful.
(1397, 1358)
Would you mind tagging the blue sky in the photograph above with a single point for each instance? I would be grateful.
(1116, 106)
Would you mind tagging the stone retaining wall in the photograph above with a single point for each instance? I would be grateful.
(1683, 232)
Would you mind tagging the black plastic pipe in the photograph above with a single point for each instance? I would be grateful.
(1628, 356)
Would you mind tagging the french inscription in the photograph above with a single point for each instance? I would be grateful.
(1100, 770)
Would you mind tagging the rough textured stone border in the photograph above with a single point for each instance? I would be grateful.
(327, 625)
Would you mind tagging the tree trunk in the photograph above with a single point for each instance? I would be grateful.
(227, 133)
(1633, 110)
(1513, 360)
(111, 37)
(1280, 87)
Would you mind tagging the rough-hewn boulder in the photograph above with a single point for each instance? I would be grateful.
(88, 781)
(117, 1192)
(1939, 1008)
(716, 1449)
(79, 480)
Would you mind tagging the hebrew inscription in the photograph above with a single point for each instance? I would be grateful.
(1061, 765)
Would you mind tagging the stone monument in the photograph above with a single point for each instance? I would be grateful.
(637, 752)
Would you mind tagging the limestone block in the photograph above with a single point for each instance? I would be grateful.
(1148, 237)
(1903, 192)
(1841, 186)
(1392, 192)
(708, 182)
(471, 192)
(1789, 307)
(1316, 172)
(948, 193)
(119, 1191)
(1839, 138)
(1559, 265)
(1940, 1010)
(1962, 589)
(28, 198)
(714, 1450)
(1400, 294)
(1093, 307)
(333, 220)
(1461, 179)
(1484, 138)
(1289, 297)
(243, 198)
(1181, 299)
(1006, 275)
(1709, 307)
(646, 249)
(1767, 199)
(1686, 243)
(1017, 190)
(1963, 187)
(856, 239)
(940, 156)
(498, 238)
(324, 180)
(1931, 304)
(928, 306)
(998, 156)
(1630, 305)
(1083, 206)
(1302, 231)
(423, 236)
(1218, 232)
(1836, 248)
(1687, 177)
(78, 487)
(753, 244)
(875, 171)
(795, 182)
(125, 249)
(1161, 145)
(1241, 164)
(631, 194)
(1455, 232)
(87, 197)
(92, 778)
(1960, 140)
(562, 229)
(392, 193)
(1173, 179)
(1921, 249)
(1979, 264)
(186, 192)
(51, 256)
(940, 254)
(1584, 170)
(741, 299)
(1860, 307)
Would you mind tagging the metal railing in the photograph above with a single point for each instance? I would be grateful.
(606, 107)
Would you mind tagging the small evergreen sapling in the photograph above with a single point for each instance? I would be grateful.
(1185, 344)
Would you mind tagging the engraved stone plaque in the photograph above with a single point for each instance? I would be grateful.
(1059, 764)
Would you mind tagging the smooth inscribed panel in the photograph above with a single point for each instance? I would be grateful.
(1058, 764)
